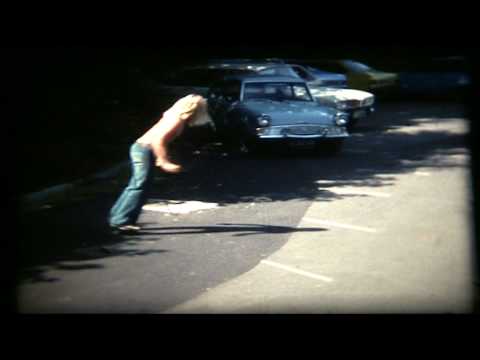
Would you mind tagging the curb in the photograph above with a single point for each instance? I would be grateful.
(61, 191)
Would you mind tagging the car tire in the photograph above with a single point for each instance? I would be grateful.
(236, 146)
(238, 141)
(251, 145)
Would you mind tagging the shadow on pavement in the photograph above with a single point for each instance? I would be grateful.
(379, 150)
(241, 229)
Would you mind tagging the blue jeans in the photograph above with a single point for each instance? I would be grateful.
(127, 208)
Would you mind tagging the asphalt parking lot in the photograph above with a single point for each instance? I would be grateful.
(385, 227)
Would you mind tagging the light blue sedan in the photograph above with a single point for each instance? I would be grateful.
(249, 111)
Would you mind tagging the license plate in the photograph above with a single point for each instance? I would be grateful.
(359, 113)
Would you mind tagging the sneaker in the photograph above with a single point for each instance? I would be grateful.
(126, 228)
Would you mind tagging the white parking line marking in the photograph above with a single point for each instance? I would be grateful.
(343, 226)
(296, 271)
(421, 173)
(179, 207)
(325, 181)
(351, 191)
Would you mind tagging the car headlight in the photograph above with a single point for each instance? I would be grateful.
(369, 101)
(341, 118)
(263, 120)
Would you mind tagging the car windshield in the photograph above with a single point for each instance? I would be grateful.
(356, 66)
(279, 91)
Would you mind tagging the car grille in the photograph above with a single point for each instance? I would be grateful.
(306, 130)
(353, 103)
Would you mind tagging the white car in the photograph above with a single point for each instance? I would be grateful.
(357, 103)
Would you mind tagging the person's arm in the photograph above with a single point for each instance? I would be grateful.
(162, 160)
(166, 129)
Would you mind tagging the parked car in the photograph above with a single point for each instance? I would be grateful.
(249, 111)
(316, 77)
(329, 90)
(198, 78)
(435, 77)
(358, 104)
(359, 75)
(278, 66)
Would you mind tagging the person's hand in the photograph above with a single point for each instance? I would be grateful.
(169, 167)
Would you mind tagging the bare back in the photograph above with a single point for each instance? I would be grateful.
(169, 127)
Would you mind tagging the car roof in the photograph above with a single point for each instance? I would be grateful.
(264, 78)
(247, 65)
(246, 61)
(314, 60)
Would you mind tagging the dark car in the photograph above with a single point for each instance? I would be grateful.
(249, 111)
(314, 77)
(437, 77)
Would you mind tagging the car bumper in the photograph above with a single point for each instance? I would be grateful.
(359, 113)
(295, 132)
(297, 142)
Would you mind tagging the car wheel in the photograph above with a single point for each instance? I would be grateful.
(234, 145)
(238, 141)
(251, 145)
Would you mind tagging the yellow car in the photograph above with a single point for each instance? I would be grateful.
(359, 75)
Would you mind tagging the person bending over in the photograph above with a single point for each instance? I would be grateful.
(150, 150)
